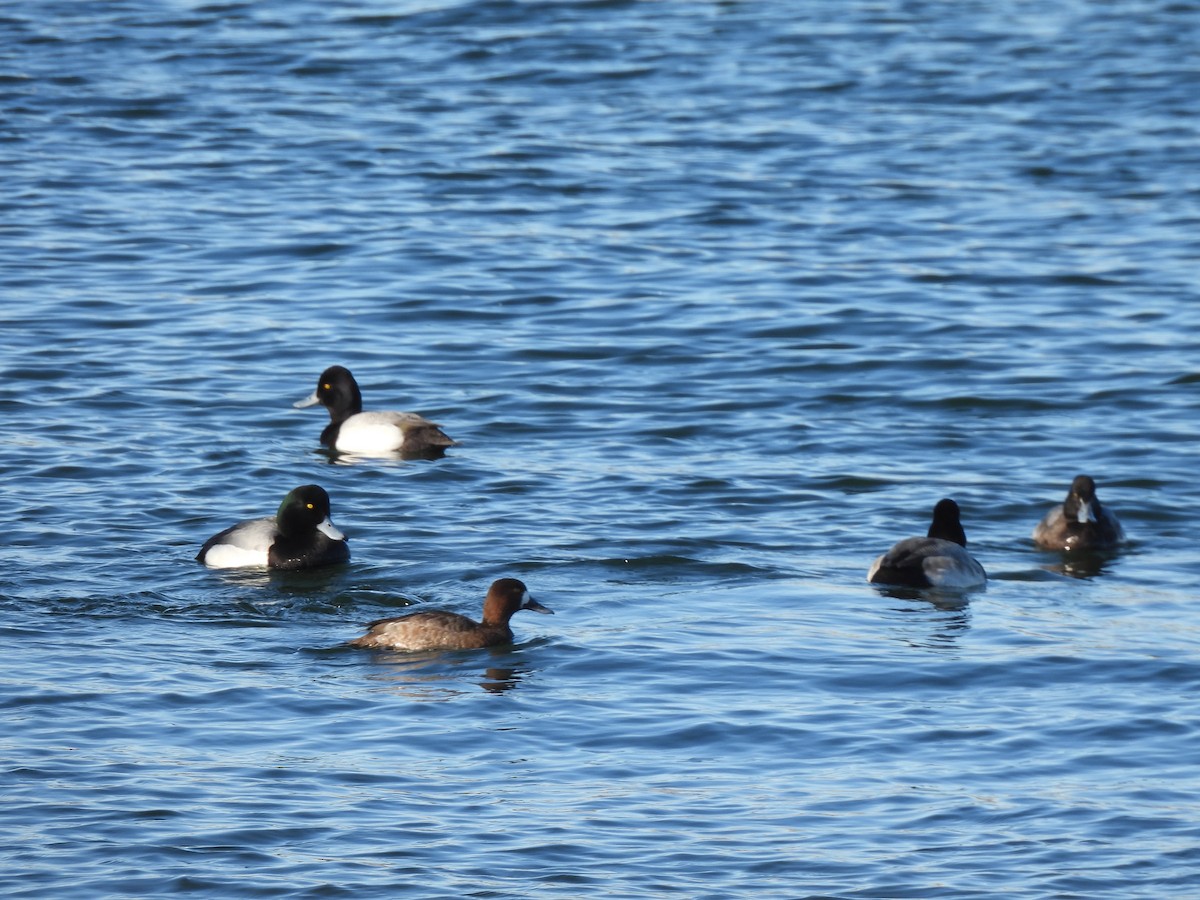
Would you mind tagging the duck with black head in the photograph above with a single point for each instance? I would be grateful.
(938, 560)
(350, 430)
(438, 629)
(300, 535)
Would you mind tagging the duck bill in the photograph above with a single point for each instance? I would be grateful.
(532, 604)
(330, 530)
(311, 400)
(1086, 513)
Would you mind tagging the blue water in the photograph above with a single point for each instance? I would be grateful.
(719, 298)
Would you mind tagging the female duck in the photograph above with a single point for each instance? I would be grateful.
(350, 430)
(299, 536)
(441, 630)
(937, 560)
(1079, 522)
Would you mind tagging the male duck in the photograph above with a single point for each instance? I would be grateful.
(350, 430)
(299, 536)
(937, 560)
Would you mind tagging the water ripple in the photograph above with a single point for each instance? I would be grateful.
(718, 300)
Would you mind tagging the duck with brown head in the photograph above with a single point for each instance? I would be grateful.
(1080, 522)
(438, 629)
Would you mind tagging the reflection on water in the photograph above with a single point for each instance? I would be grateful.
(1083, 564)
(941, 599)
(441, 675)
(342, 458)
(294, 581)
(500, 680)
(942, 618)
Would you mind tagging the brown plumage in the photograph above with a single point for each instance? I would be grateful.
(1080, 522)
(438, 629)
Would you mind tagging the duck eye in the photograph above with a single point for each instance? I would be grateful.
(309, 505)
(326, 386)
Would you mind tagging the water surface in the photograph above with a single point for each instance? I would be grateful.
(719, 299)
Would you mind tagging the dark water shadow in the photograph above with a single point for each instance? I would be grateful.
(339, 458)
(939, 618)
(1082, 564)
(317, 577)
(441, 674)
(940, 598)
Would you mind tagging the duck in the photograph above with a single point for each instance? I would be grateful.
(1080, 522)
(938, 560)
(350, 430)
(299, 536)
(439, 629)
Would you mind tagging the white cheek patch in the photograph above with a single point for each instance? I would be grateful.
(227, 556)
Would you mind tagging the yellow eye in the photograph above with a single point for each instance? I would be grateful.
(325, 386)
(309, 505)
